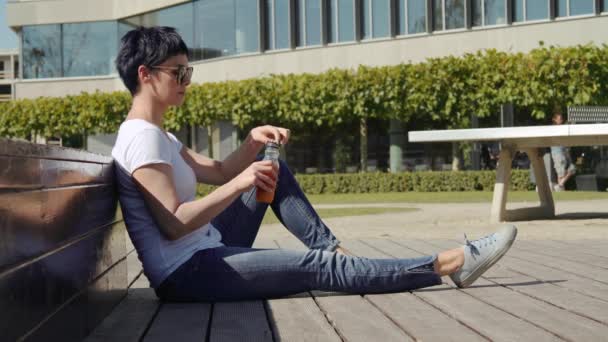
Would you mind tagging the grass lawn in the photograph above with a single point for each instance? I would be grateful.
(449, 197)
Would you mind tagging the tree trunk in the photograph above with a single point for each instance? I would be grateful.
(363, 144)
(456, 157)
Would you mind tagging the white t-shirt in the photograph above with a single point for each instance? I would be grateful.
(141, 143)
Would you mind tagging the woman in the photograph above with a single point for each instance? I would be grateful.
(200, 249)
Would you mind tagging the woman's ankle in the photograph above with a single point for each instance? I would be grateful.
(448, 262)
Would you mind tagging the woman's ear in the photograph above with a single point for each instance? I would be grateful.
(143, 74)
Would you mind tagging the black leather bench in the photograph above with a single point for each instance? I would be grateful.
(63, 247)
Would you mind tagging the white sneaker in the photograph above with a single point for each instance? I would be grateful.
(481, 254)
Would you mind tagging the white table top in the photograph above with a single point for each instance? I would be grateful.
(523, 136)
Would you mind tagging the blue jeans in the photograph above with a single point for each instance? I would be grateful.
(238, 272)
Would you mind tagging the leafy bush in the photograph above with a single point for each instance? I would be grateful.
(431, 181)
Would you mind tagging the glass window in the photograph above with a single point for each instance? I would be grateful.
(518, 10)
(313, 22)
(380, 18)
(437, 15)
(341, 21)
(537, 9)
(226, 27)
(309, 22)
(561, 8)
(580, 7)
(416, 16)
(454, 14)
(269, 26)
(332, 22)
(346, 20)
(281, 24)
(89, 48)
(401, 13)
(41, 51)
(477, 10)
(246, 26)
(180, 17)
(366, 19)
(494, 12)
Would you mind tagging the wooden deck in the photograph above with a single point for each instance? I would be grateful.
(542, 290)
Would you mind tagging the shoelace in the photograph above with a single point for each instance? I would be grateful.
(481, 242)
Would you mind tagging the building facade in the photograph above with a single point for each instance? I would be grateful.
(9, 73)
(68, 46)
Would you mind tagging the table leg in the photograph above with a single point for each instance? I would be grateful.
(501, 186)
(499, 213)
(542, 182)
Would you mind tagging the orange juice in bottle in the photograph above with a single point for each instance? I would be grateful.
(271, 152)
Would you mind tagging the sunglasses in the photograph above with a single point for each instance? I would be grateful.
(182, 73)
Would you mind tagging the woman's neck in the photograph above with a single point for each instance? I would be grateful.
(147, 109)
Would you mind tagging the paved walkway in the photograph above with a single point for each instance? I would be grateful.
(575, 220)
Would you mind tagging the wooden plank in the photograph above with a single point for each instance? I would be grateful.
(180, 322)
(129, 320)
(354, 318)
(560, 322)
(577, 254)
(299, 319)
(487, 320)
(37, 222)
(84, 311)
(557, 277)
(581, 269)
(240, 321)
(421, 320)
(25, 149)
(39, 290)
(19, 173)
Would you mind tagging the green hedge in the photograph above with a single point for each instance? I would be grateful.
(446, 90)
(431, 181)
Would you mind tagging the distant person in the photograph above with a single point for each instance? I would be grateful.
(200, 249)
(564, 168)
(488, 159)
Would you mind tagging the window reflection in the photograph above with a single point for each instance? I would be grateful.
(494, 12)
(437, 15)
(401, 14)
(476, 12)
(537, 9)
(416, 16)
(580, 7)
(346, 20)
(277, 31)
(380, 18)
(309, 22)
(518, 10)
(366, 19)
(89, 48)
(225, 27)
(341, 21)
(454, 14)
(41, 51)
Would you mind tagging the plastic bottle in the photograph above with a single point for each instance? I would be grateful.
(271, 152)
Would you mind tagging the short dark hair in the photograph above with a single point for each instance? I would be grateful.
(148, 46)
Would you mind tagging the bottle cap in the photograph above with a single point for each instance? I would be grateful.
(272, 144)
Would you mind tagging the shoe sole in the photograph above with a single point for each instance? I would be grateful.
(484, 267)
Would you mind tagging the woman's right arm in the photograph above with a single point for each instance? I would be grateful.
(176, 219)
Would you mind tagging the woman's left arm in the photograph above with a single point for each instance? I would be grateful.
(216, 172)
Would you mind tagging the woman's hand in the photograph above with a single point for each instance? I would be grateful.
(263, 134)
(262, 174)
